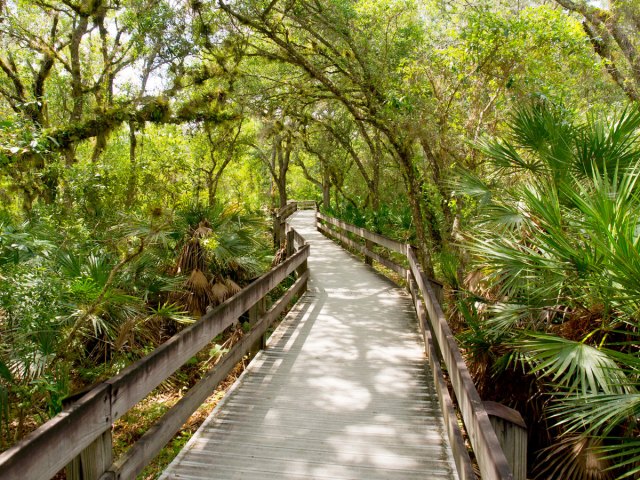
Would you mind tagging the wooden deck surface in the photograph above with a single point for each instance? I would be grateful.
(341, 392)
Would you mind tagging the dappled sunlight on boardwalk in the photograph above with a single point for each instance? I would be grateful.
(342, 391)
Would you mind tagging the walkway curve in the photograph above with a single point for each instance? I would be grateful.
(342, 391)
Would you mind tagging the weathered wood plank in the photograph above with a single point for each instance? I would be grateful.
(51, 447)
(390, 264)
(306, 204)
(474, 417)
(399, 269)
(491, 459)
(287, 210)
(297, 238)
(342, 392)
(138, 379)
(93, 461)
(342, 238)
(47, 450)
(386, 242)
(512, 434)
(147, 447)
(458, 448)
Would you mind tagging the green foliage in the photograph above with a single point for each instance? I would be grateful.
(91, 300)
(558, 250)
(157, 140)
(391, 219)
(236, 245)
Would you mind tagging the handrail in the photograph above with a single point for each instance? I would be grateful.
(76, 429)
(439, 342)
(305, 204)
(366, 248)
(284, 212)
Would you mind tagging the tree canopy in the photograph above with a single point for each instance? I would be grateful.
(143, 144)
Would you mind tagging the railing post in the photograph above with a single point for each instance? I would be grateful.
(301, 271)
(409, 273)
(368, 245)
(512, 435)
(257, 311)
(255, 314)
(281, 231)
(437, 289)
(95, 460)
(290, 245)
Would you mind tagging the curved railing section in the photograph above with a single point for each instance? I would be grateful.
(281, 215)
(80, 437)
(497, 434)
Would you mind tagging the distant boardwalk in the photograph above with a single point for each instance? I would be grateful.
(343, 390)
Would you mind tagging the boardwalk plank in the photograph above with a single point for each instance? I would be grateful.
(341, 392)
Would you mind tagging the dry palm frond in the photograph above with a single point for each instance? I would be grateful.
(197, 282)
(232, 286)
(194, 305)
(220, 292)
(125, 333)
(203, 230)
(191, 258)
(281, 256)
(574, 458)
(200, 293)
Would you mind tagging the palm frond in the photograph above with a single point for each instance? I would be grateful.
(467, 183)
(505, 156)
(624, 454)
(574, 457)
(70, 264)
(600, 413)
(608, 145)
(575, 366)
(542, 130)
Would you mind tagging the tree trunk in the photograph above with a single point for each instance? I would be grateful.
(284, 157)
(132, 184)
(275, 151)
(326, 189)
(212, 186)
(282, 191)
(414, 192)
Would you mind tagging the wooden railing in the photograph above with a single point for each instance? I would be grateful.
(80, 436)
(280, 218)
(444, 354)
(305, 204)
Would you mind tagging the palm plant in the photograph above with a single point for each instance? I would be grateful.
(71, 305)
(220, 247)
(559, 253)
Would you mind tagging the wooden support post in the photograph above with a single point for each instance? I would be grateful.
(437, 289)
(301, 271)
(368, 245)
(512, 434)
(94, 460)
(290, 245)
(255, 314)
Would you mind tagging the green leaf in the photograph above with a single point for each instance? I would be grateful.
(573, 365)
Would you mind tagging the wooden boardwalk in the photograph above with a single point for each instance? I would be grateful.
(342, 391)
